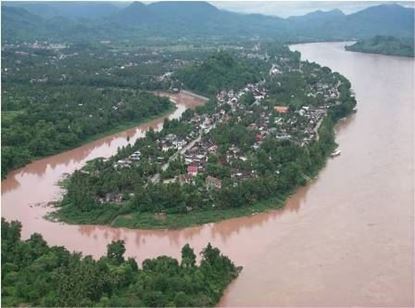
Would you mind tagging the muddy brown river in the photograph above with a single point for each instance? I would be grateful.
(346, 239)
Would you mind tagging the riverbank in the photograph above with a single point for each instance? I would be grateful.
(116, 129)
(129, 125)
(151, 221)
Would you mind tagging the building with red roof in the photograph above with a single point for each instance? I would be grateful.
(192, 170)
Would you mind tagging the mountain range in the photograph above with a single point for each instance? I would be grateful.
(105, 20)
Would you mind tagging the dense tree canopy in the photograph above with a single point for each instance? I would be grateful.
(219, 71)
(387, 45)
(34, 274)
(43, 120)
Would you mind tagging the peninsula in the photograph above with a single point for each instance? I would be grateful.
(267, 129)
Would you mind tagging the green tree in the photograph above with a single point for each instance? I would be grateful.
(115, 251)
(188, 257)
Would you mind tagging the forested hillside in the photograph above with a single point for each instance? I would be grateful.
(219, 71)
(387, 45)
(138, 21)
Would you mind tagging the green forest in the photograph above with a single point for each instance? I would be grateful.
(34, 274)
(219, 71)
(44, 120)
(386, 45)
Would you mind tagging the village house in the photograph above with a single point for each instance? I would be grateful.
(185, 179)
(122, 163)
(192, 170)
(213, 183)
(135, 156)
(281, 109)
(110, 198)
(242, 175)
(274, 70)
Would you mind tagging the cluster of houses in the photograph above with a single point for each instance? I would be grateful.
(36, 45)
(232, 97)
(127, 162)
(300, 126)
(325, 90)
(279, 121)
(172, 142)
(196, 157)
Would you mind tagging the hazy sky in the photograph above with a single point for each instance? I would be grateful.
(295, 8)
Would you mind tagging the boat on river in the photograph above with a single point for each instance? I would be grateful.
(336, 153)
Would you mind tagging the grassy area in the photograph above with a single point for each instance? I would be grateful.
(116, 217)
(175, 221)
(94, 217)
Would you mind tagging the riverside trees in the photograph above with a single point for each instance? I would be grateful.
(47, 119)
(35, 274)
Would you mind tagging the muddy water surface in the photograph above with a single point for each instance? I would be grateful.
(345, 239)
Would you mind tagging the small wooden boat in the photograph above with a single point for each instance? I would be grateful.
(336, 153)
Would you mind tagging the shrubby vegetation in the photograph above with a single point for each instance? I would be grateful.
(34, 274)
(386, 45)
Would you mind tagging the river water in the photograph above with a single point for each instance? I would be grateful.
(346, 239)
